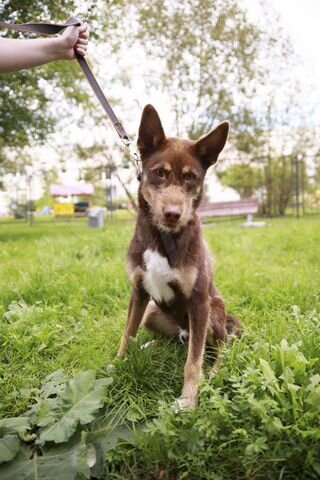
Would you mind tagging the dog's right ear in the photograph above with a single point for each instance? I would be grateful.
(151, 134)
(209, 147)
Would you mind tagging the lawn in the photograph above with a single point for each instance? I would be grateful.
(63, 302)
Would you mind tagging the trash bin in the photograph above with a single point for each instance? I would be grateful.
(96, 218)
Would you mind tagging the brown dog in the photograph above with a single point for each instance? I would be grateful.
(168, 263)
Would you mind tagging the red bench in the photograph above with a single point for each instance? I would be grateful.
(246, 206)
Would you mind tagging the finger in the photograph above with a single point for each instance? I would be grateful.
(83, 28)
(81, 46)
(84, 34)
(81, 51)
(82, 41)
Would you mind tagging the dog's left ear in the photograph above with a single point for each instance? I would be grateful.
(209, 147)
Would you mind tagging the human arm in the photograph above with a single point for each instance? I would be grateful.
(17, 54)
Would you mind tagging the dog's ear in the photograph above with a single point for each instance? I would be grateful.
(209, 147)
(151, 134)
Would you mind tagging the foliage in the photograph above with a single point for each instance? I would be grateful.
(80, 401)
(102, 163)
(278, 179)
(26, 451)
(209, 49)
(244, 178)
(258, 422)
(63, 301)
(24, 112)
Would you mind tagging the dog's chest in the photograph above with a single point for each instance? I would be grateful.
(158, 275)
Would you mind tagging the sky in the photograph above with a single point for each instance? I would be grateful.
(300, 19)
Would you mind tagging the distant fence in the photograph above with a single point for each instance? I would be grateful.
(305, 186)
(289, 185)
(293, 183)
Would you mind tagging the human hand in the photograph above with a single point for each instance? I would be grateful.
(73, 39)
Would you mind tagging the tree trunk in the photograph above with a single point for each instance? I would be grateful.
(132, 200)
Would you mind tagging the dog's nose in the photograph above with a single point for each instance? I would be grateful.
(172, 213)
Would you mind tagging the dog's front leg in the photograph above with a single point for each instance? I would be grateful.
(138, 303)
(198, 324)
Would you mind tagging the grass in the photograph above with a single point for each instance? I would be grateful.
(63, 302)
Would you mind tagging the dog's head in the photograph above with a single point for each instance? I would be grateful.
(174, 170)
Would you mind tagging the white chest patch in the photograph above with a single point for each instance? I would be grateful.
(157, 276)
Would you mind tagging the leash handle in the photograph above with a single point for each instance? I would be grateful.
(53, 29)
(41, 28)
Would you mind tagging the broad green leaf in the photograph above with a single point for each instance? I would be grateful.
(314, 382)
(19, 310)
(9, 446)
(79, 402)
(14, 425)
(287, 375)
(46, 413)
(54, 384)
(59, 463)
(105, 439)
(289, 356)
(313, 399)
(268, 373)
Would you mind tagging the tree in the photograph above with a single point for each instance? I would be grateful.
(24, 116)
(244, 178)
(98, 159)
(209, 50)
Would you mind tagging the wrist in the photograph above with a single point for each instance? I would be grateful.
(57, 49)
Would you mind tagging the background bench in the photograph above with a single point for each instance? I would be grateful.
(246, 206)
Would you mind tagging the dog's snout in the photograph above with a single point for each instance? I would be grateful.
(172, 212)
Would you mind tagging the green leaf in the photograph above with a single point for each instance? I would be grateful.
(289, 356)
(267, 371)
(14, 425)
(79, 402)
(287, 375)
(64, 462)
(258, 446)
(105, 439)
(316, 467)
(9, 446)
(54, 384)
(314, 382)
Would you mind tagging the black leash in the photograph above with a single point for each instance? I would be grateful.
(53, 29)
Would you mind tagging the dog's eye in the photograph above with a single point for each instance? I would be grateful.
(160, 172)
(189, 177)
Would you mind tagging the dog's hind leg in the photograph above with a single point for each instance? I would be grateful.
(138, 303)
(160, 322)
(234, 328)
(217, 333)
(222, 330)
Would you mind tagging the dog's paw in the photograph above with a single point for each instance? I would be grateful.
(124, 346)
(183, 335)
(185, 403)
(152, 343)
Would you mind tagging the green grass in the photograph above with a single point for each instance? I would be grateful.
(63, 302)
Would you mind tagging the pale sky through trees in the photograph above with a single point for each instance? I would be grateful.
(301, 21)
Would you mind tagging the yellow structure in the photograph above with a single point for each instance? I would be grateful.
(63, 209)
